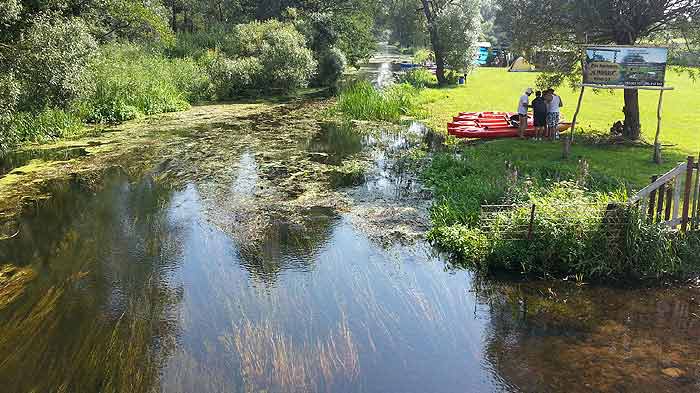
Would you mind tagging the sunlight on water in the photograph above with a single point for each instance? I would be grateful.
(211, 286)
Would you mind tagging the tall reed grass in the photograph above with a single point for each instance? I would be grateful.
(128, 82)
(361, 101)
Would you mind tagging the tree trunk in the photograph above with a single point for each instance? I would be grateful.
(633, 127)
(435, 43)
(173, 19)
(440, 68)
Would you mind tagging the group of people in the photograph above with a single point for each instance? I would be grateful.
(546, 109)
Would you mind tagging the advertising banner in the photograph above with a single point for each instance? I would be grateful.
(625, 66)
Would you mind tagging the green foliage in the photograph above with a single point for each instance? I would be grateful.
(51, 59)
(281, 51)
(9, 11)
(361, 101)
(419, 78)
(231, 78)
(356, 40)
(331, 65)
(45, 125)
(458, 25)
(129, 82)
(574, 233)
(423, 55)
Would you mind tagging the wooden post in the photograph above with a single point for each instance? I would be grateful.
(660, 203)
(696, 198)
(657, 142)
(652, 200)
(567, 149)
(532, 223)
(688, 189)
(669, 203)
(566, 152)
(676, 199)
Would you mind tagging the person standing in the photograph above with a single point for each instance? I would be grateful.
(554, 106)
(539, 110)
(523, 105)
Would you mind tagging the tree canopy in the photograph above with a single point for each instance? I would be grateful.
(567, 25)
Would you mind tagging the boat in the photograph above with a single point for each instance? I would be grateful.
(492, 125)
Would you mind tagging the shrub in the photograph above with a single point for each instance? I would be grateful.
(331, 65)
(129, 82)
(574, 232)
(10, 11)
(231, 78)
(51, 59)
(197, 43)
(286, 63)
(423, 55)
(419, 78)
(361, 101)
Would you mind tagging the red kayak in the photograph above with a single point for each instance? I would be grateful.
(490, 125)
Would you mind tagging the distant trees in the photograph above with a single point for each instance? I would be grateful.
(569, 24)
(450, 27)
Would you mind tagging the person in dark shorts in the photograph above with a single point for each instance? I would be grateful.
(539, 109)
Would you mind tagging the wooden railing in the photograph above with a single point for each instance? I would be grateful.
(673, 198)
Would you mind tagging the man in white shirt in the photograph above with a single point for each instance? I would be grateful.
(523, 104)
(554, 105)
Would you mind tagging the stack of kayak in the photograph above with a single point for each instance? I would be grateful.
(491, 125)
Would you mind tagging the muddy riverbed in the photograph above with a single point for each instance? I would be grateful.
(255, 248)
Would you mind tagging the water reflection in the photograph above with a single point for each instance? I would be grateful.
(546, 337)
(70, 327)
(335, 143)
(10, 161)
(210, 287)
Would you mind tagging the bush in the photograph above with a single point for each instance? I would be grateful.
(231, 78)
(361, 101)
(51, 59)
(574, 233)
(419, 78)
(423, 55)
(331, 65)
(129, 82)
(285, 62)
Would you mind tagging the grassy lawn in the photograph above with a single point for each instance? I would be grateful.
(497, 89)
(568, 236)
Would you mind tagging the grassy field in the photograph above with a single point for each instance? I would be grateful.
(497, 89)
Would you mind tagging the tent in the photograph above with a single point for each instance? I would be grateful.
(521, 65)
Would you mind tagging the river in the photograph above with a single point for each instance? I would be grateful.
(236, 249)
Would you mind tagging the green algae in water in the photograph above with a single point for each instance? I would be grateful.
(14, 160)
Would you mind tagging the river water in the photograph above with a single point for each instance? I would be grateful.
(215, 284)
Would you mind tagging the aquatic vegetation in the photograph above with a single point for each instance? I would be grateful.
(361, 101)
(12, 283)
(350, 173)
(130, 82)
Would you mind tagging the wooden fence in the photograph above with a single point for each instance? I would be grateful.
(673, 198)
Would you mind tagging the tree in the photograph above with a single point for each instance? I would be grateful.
(453, 27)
(558, 24)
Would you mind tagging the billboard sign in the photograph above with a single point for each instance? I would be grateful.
(625, 66)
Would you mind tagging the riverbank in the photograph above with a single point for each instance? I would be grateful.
(567, 243)
(258, 247)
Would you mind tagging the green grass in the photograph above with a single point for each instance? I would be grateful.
(562, 246)
(361, 101)
(630, 166)
(497, 89)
